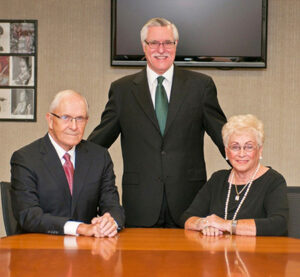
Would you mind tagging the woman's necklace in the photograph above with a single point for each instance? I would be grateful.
(237, 197)
(244, 197)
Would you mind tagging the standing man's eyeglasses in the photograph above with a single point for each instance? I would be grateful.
(156, 44)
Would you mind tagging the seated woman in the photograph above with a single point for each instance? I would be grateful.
(250, 199)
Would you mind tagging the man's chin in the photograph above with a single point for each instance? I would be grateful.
(162, 67)
(72, 142)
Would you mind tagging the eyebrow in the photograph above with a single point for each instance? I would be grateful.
(250, 141)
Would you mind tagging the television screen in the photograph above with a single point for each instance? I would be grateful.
(212, 33)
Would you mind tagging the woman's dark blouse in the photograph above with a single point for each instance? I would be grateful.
(266, 202)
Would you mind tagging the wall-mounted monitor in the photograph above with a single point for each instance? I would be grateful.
(212, 33)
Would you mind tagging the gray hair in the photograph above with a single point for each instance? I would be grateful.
(240, 123)
(60, 95)
(158, 21)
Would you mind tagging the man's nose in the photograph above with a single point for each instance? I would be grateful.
(73, 124)
(161, 48)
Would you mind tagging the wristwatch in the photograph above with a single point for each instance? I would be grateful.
(233, 226)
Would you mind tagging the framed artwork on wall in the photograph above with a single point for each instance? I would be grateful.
(18, 70)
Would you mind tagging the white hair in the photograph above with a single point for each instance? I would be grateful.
(158, 21)
(241, 123)
(60, 95)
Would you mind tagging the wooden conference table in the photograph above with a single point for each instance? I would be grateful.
(149, 252)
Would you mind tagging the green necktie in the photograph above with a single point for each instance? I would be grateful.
(161, 104)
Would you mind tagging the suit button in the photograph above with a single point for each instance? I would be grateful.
(163, 152)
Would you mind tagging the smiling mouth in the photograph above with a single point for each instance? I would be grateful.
(161, 57)
(242, 161)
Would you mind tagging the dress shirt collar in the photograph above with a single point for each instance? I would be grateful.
(152, 76)
(61, 152)
(152, 82)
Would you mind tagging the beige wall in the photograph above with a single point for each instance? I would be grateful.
(74, 52)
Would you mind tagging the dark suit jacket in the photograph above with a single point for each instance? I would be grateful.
(153, 162)
(41, 198)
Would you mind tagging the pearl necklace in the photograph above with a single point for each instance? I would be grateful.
(244, 197)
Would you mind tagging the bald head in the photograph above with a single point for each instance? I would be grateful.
(66, 94)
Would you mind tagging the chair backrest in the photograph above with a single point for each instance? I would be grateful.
(10, 222)
(294, 214)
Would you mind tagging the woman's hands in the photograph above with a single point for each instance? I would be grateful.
(211, 225)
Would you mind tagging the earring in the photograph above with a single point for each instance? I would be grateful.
(226, 158)
(260, 157)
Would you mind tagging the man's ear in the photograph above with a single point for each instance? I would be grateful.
(144, 46)
(49, 118)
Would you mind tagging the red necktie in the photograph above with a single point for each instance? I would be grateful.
(69, 170)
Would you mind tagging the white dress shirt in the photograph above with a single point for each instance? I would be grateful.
(167, 82)
(70, 227)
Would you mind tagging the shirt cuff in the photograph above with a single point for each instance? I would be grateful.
(70, 228)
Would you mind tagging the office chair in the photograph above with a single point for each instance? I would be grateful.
(293, 194)
(10, 222)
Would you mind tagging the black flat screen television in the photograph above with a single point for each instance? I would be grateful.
(212, 33)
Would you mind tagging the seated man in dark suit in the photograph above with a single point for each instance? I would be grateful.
(61, 183)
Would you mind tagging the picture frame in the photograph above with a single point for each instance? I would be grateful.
(18, 70)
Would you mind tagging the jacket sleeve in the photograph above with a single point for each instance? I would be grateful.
(109, 128)
(214, 118)
(25, 200)
(109, 197)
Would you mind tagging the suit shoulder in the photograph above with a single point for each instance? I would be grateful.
(128, 79)
(95, 152)
(30, 148)
(194, 75)
(94, 148)
(28, 154)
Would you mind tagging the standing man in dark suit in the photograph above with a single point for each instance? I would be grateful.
(161, 113)
(61, 183)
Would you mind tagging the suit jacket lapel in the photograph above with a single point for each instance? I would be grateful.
(178, 95)
(82, 164)
(142, 94)
(53, 163)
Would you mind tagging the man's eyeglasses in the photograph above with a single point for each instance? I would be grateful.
(156, 44)
(247, 148)
(68, 119)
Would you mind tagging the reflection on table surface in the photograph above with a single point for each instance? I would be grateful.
(149, 252)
